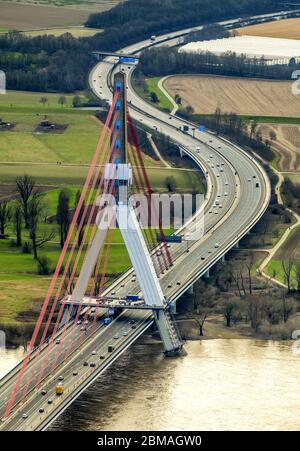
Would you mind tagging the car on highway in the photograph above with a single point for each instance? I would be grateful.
(92, 364)
(24, 416)
(83, 328)
(43, 392)
(75, 373)
(102, 356)
(85, 363)
(94, 353)
(61, 378)
(58, 341)
(50, 401)
(116, 337)
(41, 410)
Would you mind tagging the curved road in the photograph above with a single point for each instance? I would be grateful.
(231, 179)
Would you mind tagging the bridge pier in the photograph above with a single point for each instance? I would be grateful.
(173, 308)
(190, 290)
(207, 274)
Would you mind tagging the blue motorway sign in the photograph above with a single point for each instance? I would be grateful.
(127, 60)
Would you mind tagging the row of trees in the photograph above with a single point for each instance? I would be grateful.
(243, 303)
(234, 126)
(27, 214)
(62, 63)
(166, 15)
(165, 61)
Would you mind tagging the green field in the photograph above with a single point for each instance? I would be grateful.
(152, 86)
(290, 250)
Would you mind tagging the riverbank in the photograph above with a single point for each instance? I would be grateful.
(215, 328)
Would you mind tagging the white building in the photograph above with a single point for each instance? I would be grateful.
(275, 50)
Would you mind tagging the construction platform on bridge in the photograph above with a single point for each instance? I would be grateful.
(113, 303)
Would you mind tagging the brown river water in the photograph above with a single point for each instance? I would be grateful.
(220, 385)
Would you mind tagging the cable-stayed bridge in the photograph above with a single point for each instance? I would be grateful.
(73, 343)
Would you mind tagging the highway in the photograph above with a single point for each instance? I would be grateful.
(232, 177)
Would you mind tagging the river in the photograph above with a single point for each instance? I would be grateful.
(220, 385)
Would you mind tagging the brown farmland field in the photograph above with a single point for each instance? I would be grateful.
(19, 16)
(286, 29)
(239, 95)
(77, 32)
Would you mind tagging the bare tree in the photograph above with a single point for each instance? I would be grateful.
(63, 216)
(256, 311)
(253, 128)
(79, 218)
(44, 100)
(17, 218)
(35, 211)
(297, 273)
(4, 216)
(242, 280)
(288, 307)
(249, 265)
(287, 266)
(229, 309)
(204, 299)
(236, 277)
(26, 188)
(62, 100)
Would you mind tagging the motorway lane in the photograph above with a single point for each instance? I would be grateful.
(98, 345)
(243, 203)
(33, 369)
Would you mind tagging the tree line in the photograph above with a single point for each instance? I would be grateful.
(168, 15)
(232, 292)
(165, 61)
(28, 213)
(235, 127)
(62, 63)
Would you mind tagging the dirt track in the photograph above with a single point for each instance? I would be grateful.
(239, 95)
(287, 144)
